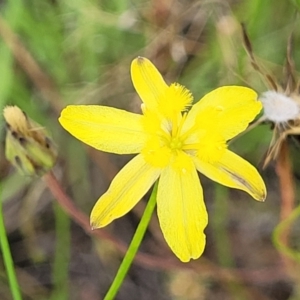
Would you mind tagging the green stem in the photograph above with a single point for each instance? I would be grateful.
(280, 229)
(133, 247)
(9, 265)
(60, 272)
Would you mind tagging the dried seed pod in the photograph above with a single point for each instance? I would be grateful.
(281, 103)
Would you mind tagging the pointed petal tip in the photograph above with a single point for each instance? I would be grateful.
(92, 225)
(95, 225)
(140, 59)
(261, 197)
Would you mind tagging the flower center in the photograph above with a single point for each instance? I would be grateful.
(175, 143)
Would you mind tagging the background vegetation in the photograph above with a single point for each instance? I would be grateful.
(59, 52)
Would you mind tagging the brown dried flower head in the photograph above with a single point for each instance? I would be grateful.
(281, 103)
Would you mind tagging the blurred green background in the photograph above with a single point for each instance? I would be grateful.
(59, 52)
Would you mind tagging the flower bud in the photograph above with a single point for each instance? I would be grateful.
(27, 144)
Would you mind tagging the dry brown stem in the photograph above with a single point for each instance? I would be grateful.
(287, 193)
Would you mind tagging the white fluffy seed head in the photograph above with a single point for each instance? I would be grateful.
(279, 108)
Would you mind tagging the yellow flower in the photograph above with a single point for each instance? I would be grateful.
(174, 139)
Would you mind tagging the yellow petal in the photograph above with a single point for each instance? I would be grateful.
(147, 81)
(226, 111)
(233, 171)
(105, 128)
(127, 188)
(181, 211)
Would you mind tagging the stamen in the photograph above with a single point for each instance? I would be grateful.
(177, 129)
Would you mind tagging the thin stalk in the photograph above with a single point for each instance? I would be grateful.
(287, 193)
(281, 234)
(133, 247)
(8, 262)
(60, 272)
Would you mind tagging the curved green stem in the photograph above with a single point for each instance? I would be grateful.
(8, 262)
(280, 229)
(134, 246)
